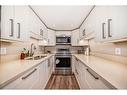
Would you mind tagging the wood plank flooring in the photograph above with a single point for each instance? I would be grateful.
(62, 81)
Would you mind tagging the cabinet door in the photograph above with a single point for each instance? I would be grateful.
(51, 38)
(110, 23)
(82, 72)
(88, 26)
(42, 75)
(77, 71)
(73, 64)
(51, 65)
(75, 37)
(21, 23)
(100, 23)
(7, 22)
(117, 22)
(46, 72)
(32, 21)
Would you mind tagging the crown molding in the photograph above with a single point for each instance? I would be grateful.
(58, 29)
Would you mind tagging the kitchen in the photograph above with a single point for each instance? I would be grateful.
(63, 47)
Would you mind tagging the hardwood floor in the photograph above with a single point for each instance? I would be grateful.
(62, 81)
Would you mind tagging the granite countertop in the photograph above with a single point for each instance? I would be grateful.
(14, 69)
(113, 72)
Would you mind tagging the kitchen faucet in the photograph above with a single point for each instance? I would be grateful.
(31, 49)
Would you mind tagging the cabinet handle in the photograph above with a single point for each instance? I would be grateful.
(109, 27)
(29, 74)
(92, 74)
(12, 27)
(103, 30)
(18, 30)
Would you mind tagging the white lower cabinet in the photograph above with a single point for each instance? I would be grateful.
(26, 81)
(43, 74)
(80, 74)
(73, 64)
(87, 78)
(36, 78)
(94, 81)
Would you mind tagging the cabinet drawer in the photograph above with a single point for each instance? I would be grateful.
(26, 81)
(83, 83)
(94, 81)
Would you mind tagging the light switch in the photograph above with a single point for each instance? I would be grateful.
(118, 51)
(3, 50)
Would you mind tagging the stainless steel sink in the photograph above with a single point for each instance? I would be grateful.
(38, 57)
(35, 58)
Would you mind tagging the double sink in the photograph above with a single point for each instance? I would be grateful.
(37, 57)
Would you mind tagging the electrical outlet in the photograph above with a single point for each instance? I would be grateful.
(118, 51)
(3, 50)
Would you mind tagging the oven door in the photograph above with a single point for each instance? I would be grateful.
(63, 62)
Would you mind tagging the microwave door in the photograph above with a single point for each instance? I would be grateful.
(61, 40)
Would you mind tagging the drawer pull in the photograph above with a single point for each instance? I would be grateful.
(103, 30)
(12, 27)
(18, 30)
(92, 74)
(109, 27)
(29, 74)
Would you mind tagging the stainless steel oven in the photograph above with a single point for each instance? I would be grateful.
(63, 60)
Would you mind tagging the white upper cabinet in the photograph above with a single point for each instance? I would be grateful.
(88, 27)
(75, 37)
(21, 22)
(51, 38)
(14, 23)
(36, 27)
(48, 39)
(76, 40)
(110, 23)
(7, 22)
(117, 22)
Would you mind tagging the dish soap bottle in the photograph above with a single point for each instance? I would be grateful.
(22, 55)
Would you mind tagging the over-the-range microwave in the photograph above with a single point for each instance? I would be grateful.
(63, 40)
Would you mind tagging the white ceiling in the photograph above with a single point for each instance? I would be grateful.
(62, 17)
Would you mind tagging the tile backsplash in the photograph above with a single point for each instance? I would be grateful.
(13, 50)
(105, 50)
(108, 50)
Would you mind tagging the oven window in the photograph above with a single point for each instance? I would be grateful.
(63, 62)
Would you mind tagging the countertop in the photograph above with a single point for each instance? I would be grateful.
(113, 72)
(12, 70)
